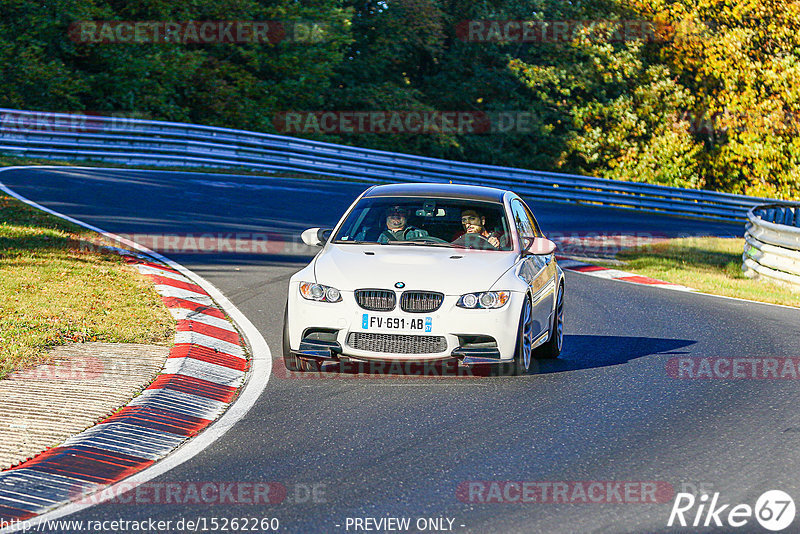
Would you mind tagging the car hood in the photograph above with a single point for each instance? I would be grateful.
(449, 270)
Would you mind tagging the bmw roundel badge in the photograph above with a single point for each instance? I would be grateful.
(399, 285)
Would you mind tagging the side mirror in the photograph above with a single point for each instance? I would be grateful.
(316, 237)
(540, 246)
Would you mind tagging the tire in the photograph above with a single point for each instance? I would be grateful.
(552, 348)
(523, 355)
(292, 361)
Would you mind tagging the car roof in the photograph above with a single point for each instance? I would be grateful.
(472, 192)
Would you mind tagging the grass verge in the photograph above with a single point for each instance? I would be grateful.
(708, 264)
(55, 290)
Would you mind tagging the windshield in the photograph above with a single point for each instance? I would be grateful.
(424, 221)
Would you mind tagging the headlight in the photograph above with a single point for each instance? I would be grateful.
(485, 300)
(319, 292)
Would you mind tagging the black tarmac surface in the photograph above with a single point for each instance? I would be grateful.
(607, 410)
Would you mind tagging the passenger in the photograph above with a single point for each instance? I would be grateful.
(396, 229)
(474, 224)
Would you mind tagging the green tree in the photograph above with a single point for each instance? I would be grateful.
(740, 60)
(225, 84)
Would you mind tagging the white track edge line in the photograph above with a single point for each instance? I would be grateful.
(260, 371)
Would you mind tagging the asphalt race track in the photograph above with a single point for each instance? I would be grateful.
(607, 410)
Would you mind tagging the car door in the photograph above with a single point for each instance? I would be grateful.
(537, 270)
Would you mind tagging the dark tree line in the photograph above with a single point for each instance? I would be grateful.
(707, 97)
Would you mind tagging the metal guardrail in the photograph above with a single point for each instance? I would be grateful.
(772, 243)
(159, 143)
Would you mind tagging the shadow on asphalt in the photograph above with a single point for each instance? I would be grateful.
(588, 352)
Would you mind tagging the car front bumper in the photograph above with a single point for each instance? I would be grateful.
(474, 336)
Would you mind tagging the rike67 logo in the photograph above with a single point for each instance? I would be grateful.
(774, 510)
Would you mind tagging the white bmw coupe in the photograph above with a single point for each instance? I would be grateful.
(428, 273)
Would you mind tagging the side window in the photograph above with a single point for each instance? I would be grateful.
(536, 230)
(522, 222)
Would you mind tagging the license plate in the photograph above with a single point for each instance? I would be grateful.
(383, 322)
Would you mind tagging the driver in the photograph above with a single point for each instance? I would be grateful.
(396, 228)
(475, 223)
